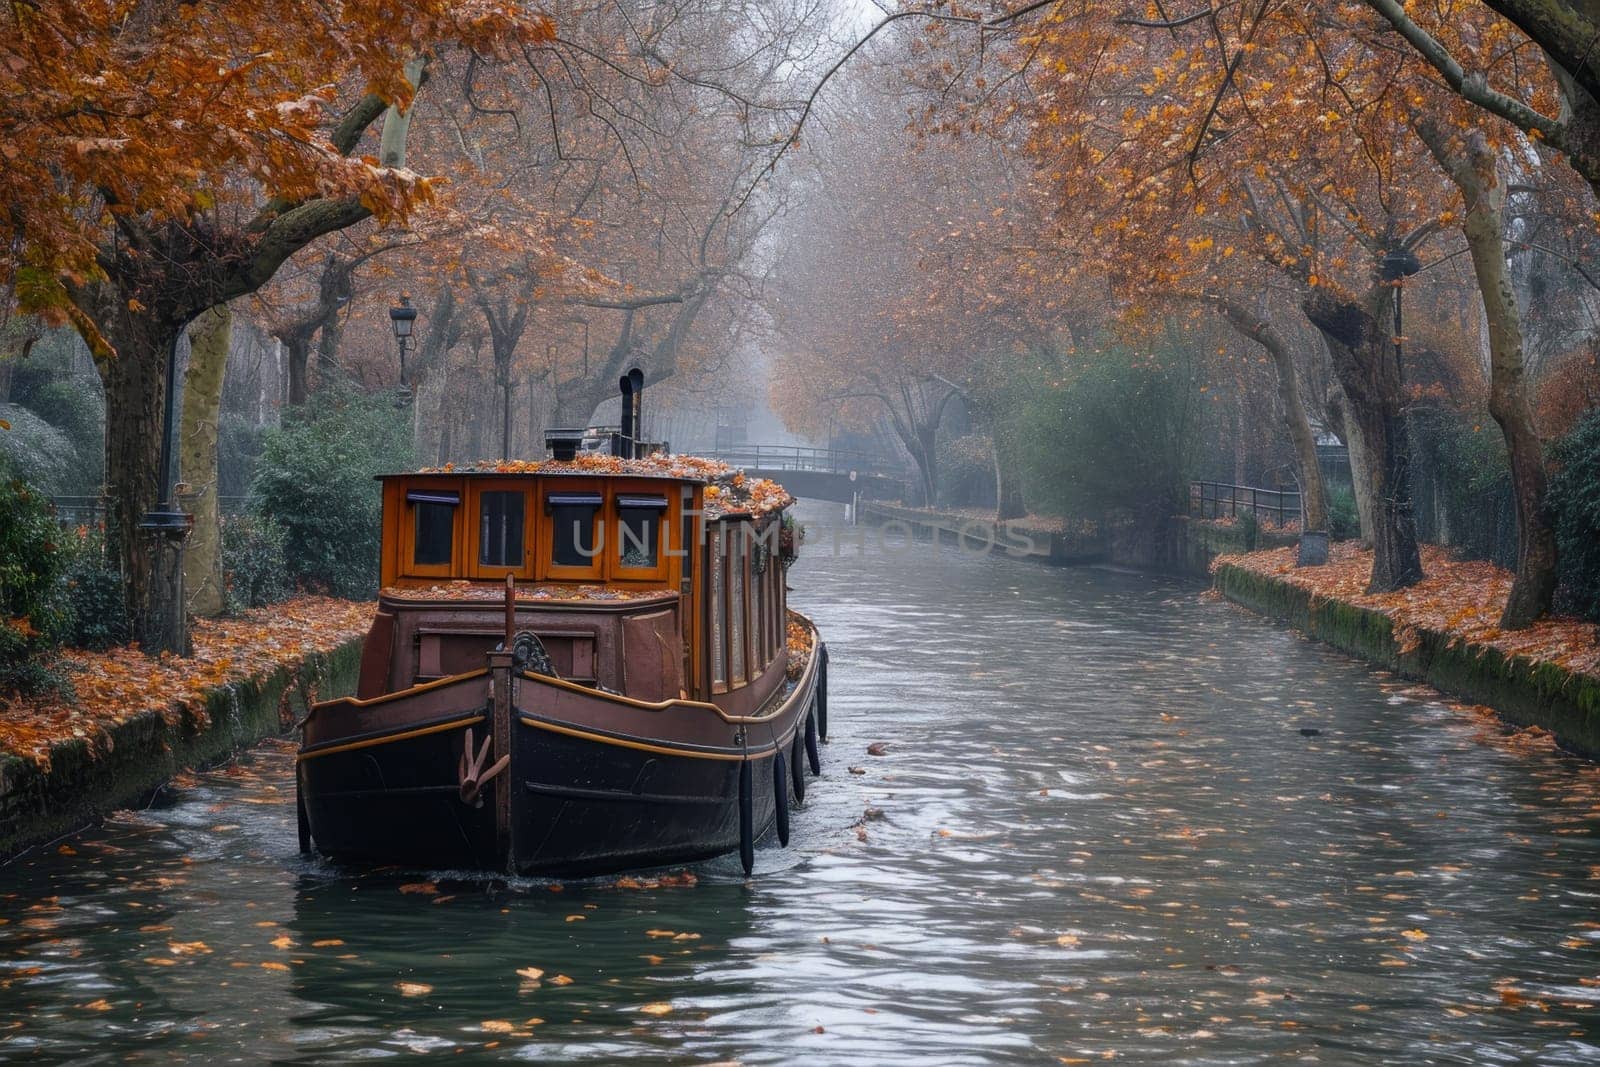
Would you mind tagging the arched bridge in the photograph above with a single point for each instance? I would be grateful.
(820, 473)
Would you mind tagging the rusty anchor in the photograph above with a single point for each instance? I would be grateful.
(473, 775)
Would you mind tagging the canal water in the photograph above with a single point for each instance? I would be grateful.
(1112, 820)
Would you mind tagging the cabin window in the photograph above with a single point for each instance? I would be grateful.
(737, 553)
(718, 598)
(435, 518)
(576, 538)
(500, 525)
(639, 531)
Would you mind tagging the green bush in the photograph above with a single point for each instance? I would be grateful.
(1574, 501)
(1123, 435)
(254, 561)
(1461, 484)
(238, 451)
(37, 452)
(33, 616)
(966, 471)
(73, 404)
(1249, 528)
(315, 480)
(94, 595)
(1344, 521)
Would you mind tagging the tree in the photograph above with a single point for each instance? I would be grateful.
(1467, 158)
(164, 160)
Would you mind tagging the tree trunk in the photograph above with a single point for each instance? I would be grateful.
(1008, 502)
(297, 350)
(1472, 167)
(203, 580)
(1367, 366)
(135, 384)
(1313, 495)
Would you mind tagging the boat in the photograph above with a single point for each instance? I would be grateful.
(577, 666)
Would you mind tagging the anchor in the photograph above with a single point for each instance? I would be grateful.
(473, 776)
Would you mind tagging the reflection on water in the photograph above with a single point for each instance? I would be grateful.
(1111, 817)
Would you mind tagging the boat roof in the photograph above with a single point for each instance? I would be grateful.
(729, 492)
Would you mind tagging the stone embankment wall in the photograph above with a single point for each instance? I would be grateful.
(1183, 547)
(1522, 690)
(86, 777)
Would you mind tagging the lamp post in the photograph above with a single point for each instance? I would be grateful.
(162, 628)
(1396, 265)
(402, 317)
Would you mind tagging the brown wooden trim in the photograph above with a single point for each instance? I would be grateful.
(545, 568)
(473, 501)
(404, 735)
(398, 693)
(404, 529)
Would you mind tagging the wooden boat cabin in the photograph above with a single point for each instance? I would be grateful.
(576, 666)
(635, 581)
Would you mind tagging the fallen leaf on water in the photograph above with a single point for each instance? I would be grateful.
(274, 965)
(1414, 935)
(98, 1005)
(576, 918)
(327, 942)
(425, 888)
(497, 1026)
(283, 941)
(532, 974)
(877, 748)
(413, 989)
(188, 948)
(1067, 941)
(858, 770)
(660, 1007)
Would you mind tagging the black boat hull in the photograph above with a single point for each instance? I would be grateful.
(597, 784)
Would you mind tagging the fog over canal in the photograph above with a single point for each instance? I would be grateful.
(1112, 816)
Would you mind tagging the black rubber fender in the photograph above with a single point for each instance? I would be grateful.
(303, 819)
(780, 794)
(747, 830)
(822, 694)
(813, 753)
(797, 766)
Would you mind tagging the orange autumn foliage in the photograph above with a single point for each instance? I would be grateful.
(118, 111)
(1459, 598)
(114, 686)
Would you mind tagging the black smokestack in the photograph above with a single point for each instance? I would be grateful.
(625, 444)
(636, 378)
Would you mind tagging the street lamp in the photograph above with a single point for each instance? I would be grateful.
(402, 317)
(1396, 265)
(161, 622)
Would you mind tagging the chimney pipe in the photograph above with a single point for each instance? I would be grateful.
(625, 438)
(636, 376)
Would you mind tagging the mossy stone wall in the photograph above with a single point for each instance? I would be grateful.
(81, 784)
(1523, 691)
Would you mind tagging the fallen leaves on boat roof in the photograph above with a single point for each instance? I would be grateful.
(729, 491)
(692, 468)
(1460, 598)
(114, 686)
(495, 593)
